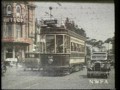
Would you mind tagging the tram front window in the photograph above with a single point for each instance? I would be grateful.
(59, 43)
(50, 43)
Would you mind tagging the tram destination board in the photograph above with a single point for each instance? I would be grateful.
(50, 22)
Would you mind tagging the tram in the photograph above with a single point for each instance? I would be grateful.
(63, 50)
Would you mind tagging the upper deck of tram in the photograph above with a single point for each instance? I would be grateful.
(52, 28)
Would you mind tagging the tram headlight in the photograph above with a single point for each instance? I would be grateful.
(50, 60)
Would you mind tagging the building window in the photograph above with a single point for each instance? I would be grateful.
(8, 32)
(18, 31)
(9, 53)
(9, 10)
(18, 10)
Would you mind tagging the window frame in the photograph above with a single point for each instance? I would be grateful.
(62, 43)
(46, 42)
(55, 44)
(18, 13)
(8, 31)
(9, 12)
(66, 45)
(18, 31)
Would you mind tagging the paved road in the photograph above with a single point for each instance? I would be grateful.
(16, 78)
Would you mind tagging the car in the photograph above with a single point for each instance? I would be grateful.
(11, 62)
(32, 60)
(99, 65)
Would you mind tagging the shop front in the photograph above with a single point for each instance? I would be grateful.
(15, 48)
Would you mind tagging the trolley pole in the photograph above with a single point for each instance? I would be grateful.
(50, 8)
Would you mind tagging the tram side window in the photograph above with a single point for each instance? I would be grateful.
(67, 44)
(78, 47)
(82, 48)
(59, 43)
(50, 44)
(72, 46)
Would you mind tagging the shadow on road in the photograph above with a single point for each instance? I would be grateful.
(47, 74)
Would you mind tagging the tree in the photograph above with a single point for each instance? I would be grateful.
(99, 44)
(93, 42)
(113, 44)
(73, 27)
(109, 40)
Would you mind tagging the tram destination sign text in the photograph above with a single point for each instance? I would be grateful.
(50, 22)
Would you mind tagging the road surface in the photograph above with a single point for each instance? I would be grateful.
(17, 78)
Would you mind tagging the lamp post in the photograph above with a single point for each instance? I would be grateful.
(50, 8)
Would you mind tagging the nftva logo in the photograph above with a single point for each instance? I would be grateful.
(98, 81)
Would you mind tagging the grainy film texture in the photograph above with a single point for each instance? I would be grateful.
(57, 45)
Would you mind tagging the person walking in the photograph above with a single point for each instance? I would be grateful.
(17, 61)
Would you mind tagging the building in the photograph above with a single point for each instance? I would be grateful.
(18, 28)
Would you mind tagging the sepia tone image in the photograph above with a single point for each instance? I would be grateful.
(57, 45)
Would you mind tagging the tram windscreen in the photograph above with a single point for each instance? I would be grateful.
(50, 43)
(59, 43)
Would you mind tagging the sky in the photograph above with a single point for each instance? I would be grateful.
(97, 19)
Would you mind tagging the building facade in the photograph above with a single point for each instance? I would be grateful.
(18, 28)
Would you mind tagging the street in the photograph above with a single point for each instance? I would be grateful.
(17, 78)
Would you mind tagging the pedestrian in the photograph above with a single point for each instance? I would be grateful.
(17, 61)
